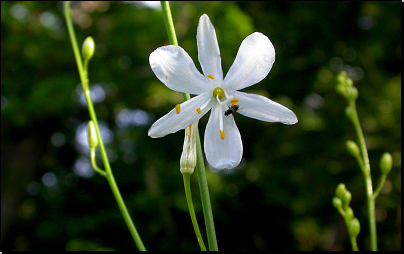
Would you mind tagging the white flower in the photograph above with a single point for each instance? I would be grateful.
(175, 68)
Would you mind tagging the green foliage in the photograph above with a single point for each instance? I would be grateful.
(286, 180)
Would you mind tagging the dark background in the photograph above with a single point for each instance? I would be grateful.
(279, 198)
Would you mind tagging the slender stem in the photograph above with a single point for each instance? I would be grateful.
(380, 185)
(165, 5)
(367, 176)
(203, 186)
(94, 163)
(354, 244)
(109, 175)
(188, 195)
(200, 166)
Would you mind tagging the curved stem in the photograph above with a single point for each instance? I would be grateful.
(368, 179)
(380, 185)
(188, 195)
(109, 175)
(94, 164)
(200, 166)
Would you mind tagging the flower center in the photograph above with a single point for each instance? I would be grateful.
(218, 92)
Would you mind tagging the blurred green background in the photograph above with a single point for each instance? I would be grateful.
(279, 198)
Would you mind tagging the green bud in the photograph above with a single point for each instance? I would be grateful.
(341, 89)
(386, 163)
(88, 48)
(354, 227)
(337, 203)
(349, 112)
(346, 198)
(340, 190)
(92, 136)
(342, 77)
(349, 82)
(352, 148)
(349, 214)
(352, 93)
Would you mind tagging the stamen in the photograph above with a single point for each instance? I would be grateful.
(221, 126)
(234, 101)
(221, 134)
(177, 108)
(210, 76)
(198, 110)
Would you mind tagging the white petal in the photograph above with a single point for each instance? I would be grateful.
(175, 68)
(264, 109)
(208, 49)
(222, 153)
(173, 122)
(253, 62)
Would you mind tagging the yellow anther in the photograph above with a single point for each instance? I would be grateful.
(210, 76)
(234, 101)
(221, 134)
(198, 110)
(177, 108)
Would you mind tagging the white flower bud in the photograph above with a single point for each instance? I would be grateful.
(188, 156)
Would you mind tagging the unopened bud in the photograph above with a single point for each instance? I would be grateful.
(354, 227)
(341, 89)
(349, 214)
(349, 82)
(352, 93)
(188, 156)
(341, 189)
(352, 148)
(346, 198)
(88, 48)
(386, 163)
(349, 112)
(342, 77)
(91, 134)
(337, 203)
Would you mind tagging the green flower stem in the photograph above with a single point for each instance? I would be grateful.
(203, 186)
(187, 187)
(108, 171)
(94, 164)
(379, 186)
(165, 6)
(200, 166)
(365, 167)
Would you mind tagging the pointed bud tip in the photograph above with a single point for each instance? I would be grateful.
(386, 163)
(352, 148)
(88, 48)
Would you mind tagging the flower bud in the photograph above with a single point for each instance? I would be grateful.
(354, 227)
(92, 136)
(346, 198)
(340, 190)
(349, 82)
(352, 148)
(349, 112)
(188, 156)
(341, 89)
(349, 214)
(337, 203)
(352, 93)
(88, 48)
(342, 77)
(386, 163)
